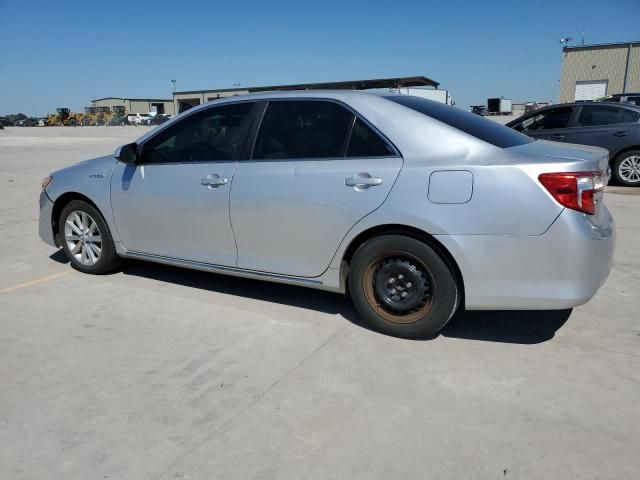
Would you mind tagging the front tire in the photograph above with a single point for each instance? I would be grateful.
(402, 287)
(626, 169)
(86, 239)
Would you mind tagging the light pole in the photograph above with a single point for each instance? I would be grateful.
(174, 85)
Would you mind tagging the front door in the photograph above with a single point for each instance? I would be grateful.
(548, 124)
(316, 171)
(175, 201)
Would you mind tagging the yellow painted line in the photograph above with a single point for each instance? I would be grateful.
(34, 282)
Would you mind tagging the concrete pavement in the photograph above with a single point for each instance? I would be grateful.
(161, 373)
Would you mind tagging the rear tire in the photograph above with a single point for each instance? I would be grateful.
(402, 287)
(86, 239)
(626, 169)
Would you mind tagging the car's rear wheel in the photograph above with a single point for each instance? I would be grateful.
(626, 169)
(402, 286)
(86, 239)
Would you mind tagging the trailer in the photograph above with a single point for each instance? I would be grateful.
(434, 94)
(500, 106)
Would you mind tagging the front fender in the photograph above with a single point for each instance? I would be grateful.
(90, 179)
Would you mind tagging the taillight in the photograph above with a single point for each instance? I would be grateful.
(575, 190)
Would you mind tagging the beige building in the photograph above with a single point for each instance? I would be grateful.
(592, 71)
(185, 100)
(136, 105)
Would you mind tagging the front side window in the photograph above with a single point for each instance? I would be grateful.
(214, 134)
(634, 100)
(303, 129)
(594, 116)
(547, 120)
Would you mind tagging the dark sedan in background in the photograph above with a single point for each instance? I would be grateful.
(613, 126)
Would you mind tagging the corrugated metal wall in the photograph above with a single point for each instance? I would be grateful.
(633, 83)
(600, 63)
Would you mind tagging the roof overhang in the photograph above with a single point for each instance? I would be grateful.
(598, 46)
(396, 82)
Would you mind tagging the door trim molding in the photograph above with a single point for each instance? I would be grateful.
(209, 267)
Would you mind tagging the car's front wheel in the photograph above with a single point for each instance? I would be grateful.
(402, 286)
(86, 239)
(626, 169)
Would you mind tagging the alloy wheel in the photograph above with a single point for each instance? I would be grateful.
(83, 238)
(629, 169)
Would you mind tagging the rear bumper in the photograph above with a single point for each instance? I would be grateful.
(44, 225)
(562, 268)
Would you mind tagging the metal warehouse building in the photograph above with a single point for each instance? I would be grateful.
(592, 71)
(137, 105)
(185, 100)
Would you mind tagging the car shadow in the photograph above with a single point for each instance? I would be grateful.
(519, 327)
(506, 326)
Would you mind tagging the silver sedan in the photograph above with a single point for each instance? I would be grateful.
(412, 207)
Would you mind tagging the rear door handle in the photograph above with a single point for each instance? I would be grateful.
(213, 181)
(557, 137)
(621, 134)
(362, 181)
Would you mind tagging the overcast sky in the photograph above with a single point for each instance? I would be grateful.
(64, 53)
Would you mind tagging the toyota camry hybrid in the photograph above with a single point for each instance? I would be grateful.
(412, 207)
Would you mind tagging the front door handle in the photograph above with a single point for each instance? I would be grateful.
(213, 181)
(362, 181)
(621, 134)
(557, 137)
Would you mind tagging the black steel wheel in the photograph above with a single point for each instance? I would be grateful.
(402, 286)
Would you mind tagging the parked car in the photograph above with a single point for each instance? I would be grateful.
(614, 126)
(410, 205)
(5, 122)
(633, 98)
(119, 121)
(138, 118)
(27, 122)
(158, 119)
(481, 110)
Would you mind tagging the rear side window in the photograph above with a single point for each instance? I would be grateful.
(303, 129)
(481, 128)
(594, 116)
(547, 120)
(634, 100)
(629, 116)
(364, 142)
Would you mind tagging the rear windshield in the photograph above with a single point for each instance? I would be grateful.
(484, 129)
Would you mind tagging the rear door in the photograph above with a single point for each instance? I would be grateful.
(547, 124)
(316, 170)
(606, 126)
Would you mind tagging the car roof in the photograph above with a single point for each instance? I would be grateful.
(582, 104)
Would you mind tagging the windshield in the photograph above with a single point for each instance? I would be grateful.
(479, 127)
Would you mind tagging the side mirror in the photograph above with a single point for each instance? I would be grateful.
(127, 153)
